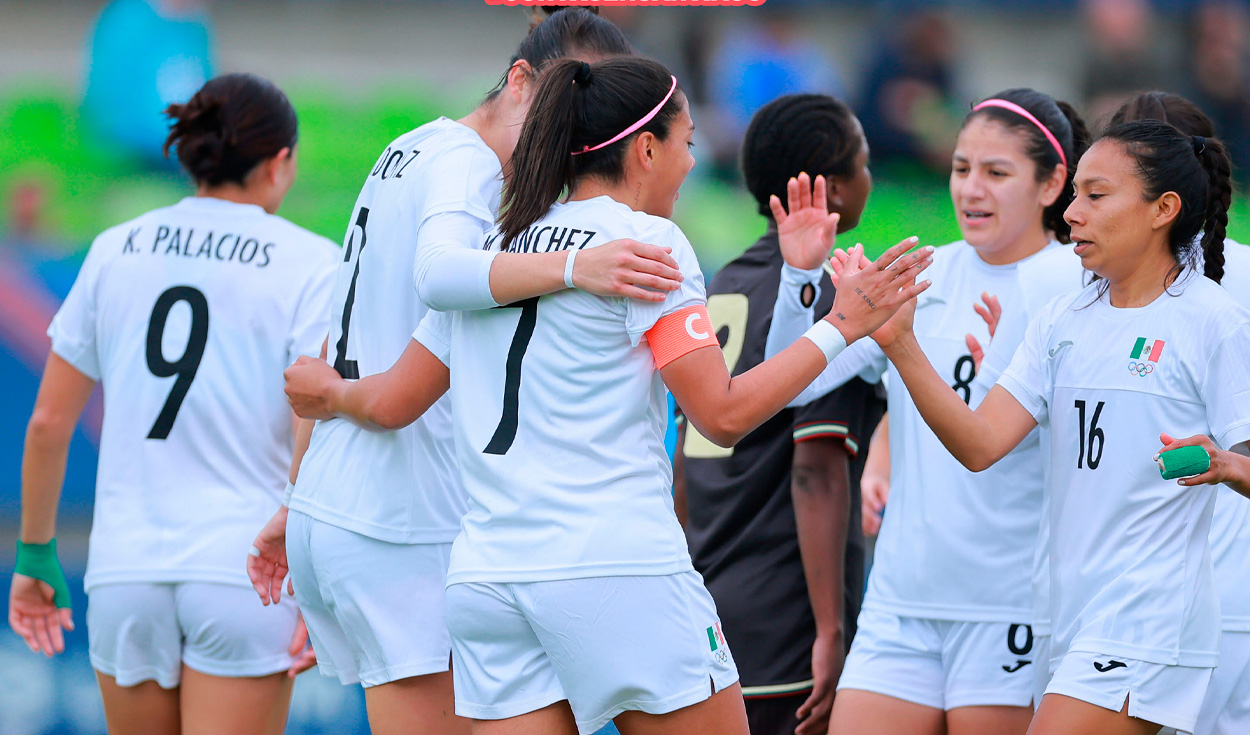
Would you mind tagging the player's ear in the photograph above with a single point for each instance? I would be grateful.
(1166, 209)
(646, 150)
(520, 77)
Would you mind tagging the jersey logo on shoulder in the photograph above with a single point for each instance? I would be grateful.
(1055, 350)
(1020, 664)
(931, 301)
(1103, 668)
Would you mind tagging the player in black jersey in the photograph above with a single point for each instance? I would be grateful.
(773, 524)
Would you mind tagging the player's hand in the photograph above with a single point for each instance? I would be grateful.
(301, 650)
(266, 563)
(806, 230)
(828, 656)
(627, 268)
(1229, 468)
(34, 616)
(308, 385)
(991, 312)
(870, 293)
(874, 491)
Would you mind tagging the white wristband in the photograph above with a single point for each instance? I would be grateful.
(286, 494)
(827, 337)
(568, 268)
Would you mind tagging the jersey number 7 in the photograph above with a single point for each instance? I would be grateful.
(505, 432)
(184, 367)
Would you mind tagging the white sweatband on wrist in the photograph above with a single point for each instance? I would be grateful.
(286, 495)
(568, 268)
(827, 337)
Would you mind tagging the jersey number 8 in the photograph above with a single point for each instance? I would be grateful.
(185, 366)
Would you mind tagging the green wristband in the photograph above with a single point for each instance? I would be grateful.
(39, 561)
(1184, 462)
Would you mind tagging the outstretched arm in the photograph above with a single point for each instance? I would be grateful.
(725, 409)
(977, 438)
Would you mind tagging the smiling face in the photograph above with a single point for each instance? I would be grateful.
(998, 200)
(1115, 228)
(671, 162)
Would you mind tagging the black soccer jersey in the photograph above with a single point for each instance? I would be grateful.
(741, 527)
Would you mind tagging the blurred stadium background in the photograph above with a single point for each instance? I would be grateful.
(82, 84)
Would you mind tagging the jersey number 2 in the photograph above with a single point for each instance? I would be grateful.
(349, 369)
(184, 367)
(505, 433)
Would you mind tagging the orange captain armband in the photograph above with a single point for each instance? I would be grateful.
(681, 333)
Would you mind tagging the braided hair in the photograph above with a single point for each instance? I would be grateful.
(796, 133)
(1198, 169)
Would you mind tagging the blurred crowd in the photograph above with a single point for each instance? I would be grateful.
(907, 90)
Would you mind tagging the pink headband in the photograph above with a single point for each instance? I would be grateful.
(1027, 116)
(645, 119)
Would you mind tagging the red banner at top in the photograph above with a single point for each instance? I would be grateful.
(627, 2)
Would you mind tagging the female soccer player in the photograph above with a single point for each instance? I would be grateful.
(571, 598)
(187, 315)
(944, 642)
(373, 515)
(1226, 707)
(1151, 347)
(771, 522)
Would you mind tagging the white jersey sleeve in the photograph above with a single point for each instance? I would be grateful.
(434, 333)
(73, 329)
(1226, 388)
(641, 316)
(187, 316)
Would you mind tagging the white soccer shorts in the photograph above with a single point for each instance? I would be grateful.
(1168, 695)
(941, 663)
(374, 609)
(606, 644)
(145, 631)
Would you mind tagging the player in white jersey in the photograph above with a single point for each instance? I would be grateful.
(571, 597)
(1226, 708)
(372, 516)
(187, 315)
(944, 641)
(1152, 347)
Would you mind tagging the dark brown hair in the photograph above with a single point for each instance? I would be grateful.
(1063, 122)
(233, 123)
(578, 105)
(568, 32)
(1198, 170)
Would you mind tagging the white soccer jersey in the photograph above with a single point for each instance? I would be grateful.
(560, 418)
(954, 545)
(188, 315)
(1130, 568)
(399, 486)
(1050, 274)
(1230, 525)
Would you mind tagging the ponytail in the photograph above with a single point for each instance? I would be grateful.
(1215, 162)
(574, 129)
(542, 164)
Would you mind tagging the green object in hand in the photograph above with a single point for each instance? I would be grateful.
(1184, 462)
(39, 561)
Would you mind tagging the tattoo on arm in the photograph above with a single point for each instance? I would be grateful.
(841, 316)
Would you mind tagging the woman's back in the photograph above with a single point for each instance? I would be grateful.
(562, 414)
(188, 315)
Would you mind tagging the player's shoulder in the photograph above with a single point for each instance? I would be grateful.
(440, 140)
(760, 263)
(1207, 302)
(315, 250)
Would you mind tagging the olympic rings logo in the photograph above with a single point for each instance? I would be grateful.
(1141, 369)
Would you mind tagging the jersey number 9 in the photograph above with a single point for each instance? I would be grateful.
(186, 365)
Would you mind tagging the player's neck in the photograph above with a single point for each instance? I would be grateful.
(484, 122)
(1029, 243)
(1145, 283)
(627, 191)
(238, 195)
